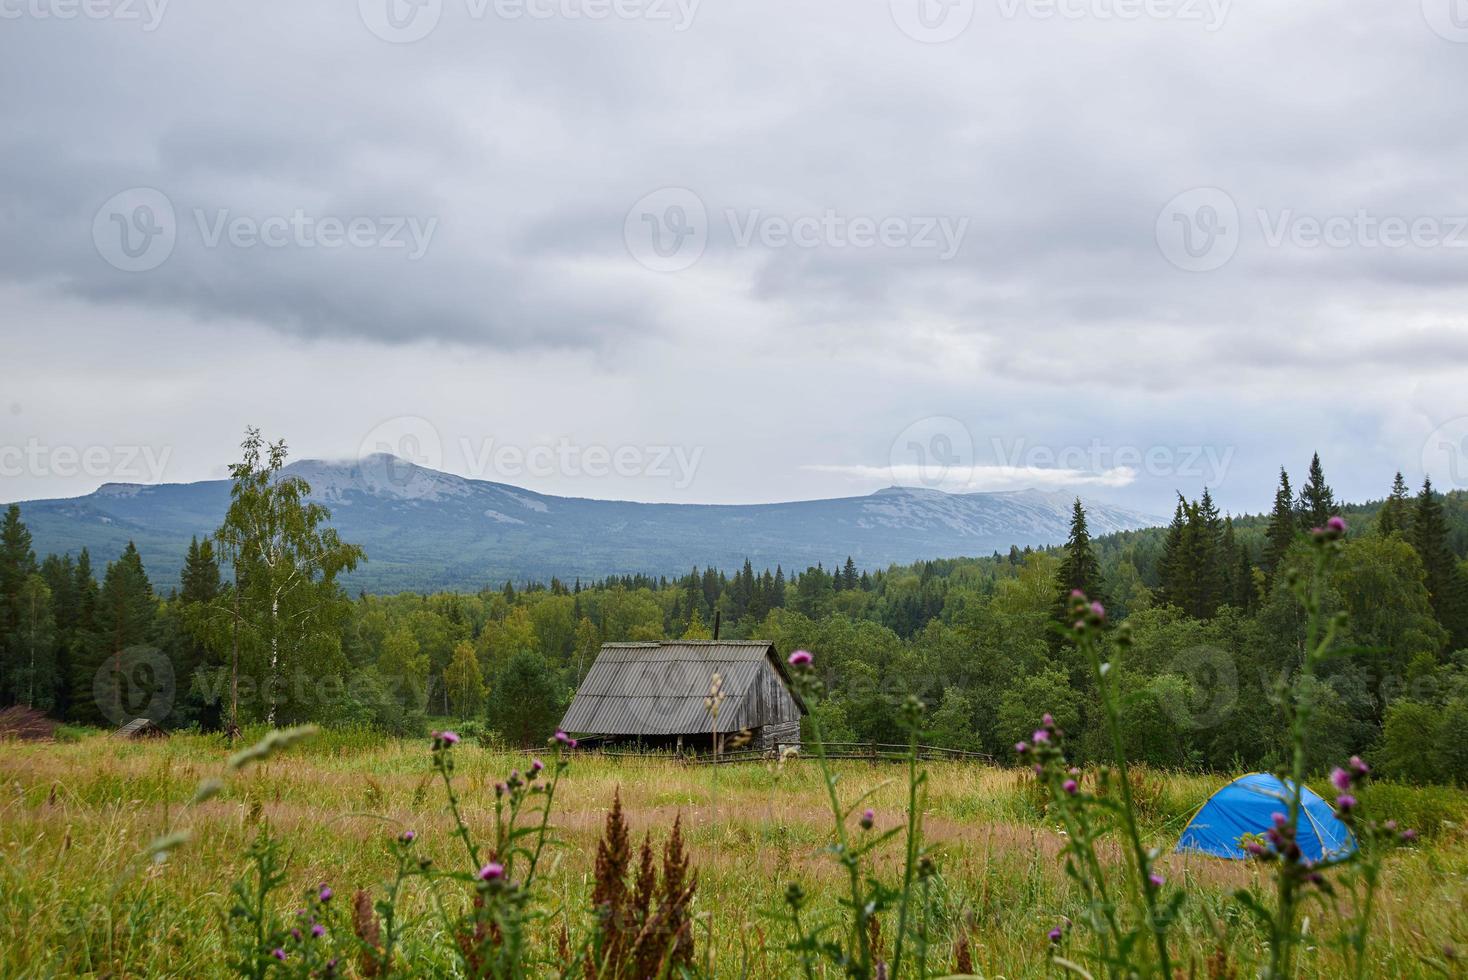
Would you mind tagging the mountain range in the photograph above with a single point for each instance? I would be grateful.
(427, 530)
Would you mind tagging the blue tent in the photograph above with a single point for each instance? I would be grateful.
(1248, 805)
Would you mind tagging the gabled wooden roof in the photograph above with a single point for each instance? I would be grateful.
(659, 688)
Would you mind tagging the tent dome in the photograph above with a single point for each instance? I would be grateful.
(1248, 805)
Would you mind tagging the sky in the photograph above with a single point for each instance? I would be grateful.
(710, 251)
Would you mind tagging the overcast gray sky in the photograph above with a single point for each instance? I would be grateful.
(739, 251)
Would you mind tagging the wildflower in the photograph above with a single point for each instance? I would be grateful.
(279, 954)
(1336, 524)
(571, 743)
(1021, 748)
(1279, 819)
(1055, 934)
(296, 935)
(562, 737)
(1408, 836)
(407, 837)
(1156, 879)
(1340, 779)
(867, 819)
(500, 789)
(317, 931)
(1077, 594)
(1080, 624)
(1071, 787)
(493, 871)
(1359, 768)
(1098, 610)
(1345, 802)
(536, 765)
(1048, 720)
(1040, 737)
(445, 739)
(1255, 848)
(801, 658)
(325, 894)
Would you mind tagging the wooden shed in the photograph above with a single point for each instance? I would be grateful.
(655, 694)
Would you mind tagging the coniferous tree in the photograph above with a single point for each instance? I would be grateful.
(17, 565)
(124, 618)
(1396, 511)
(1445, 582)
(1317, 500)
(1079, 569)
(1171, 570)
(1283, 525)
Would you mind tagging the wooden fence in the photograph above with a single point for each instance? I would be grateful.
(862, 751)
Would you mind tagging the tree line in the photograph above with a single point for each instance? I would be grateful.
(259, 629)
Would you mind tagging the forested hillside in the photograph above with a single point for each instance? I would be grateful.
(1215, 632)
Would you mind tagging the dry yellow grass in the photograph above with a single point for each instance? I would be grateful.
(73, 817)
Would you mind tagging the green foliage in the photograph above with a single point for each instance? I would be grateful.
(525, 699)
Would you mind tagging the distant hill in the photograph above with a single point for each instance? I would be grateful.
(425, 530)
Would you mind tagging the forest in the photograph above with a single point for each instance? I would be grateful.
(258, 629)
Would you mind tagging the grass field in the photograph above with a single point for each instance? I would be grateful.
(75, 815)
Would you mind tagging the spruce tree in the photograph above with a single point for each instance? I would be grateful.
(1283, 525)
(1079, 569)
(1317, 500)
(1445, 582)
(17, 565)
(1396, 511)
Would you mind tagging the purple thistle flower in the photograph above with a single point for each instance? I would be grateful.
(1156, 879)
(571, 743)
(536, 765)
(562, 737)
(1336, 524)
(1040, 737)
(1279, 819)
(407, 837)
(493, 871)
(1098, 610)
(1021, 748)
(446, 738)
(296, 934)
(325, 894)
(279, 954)
(1055, 934)
(801, 658)
(1048, 720)
(1255, 848)
(868, 819)
(1340, 779)
(1409, 835)
(1077, 594)
(1345, 802)
(1071, 787)
(1359, 766)
(317, 931)
(1080, 624)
